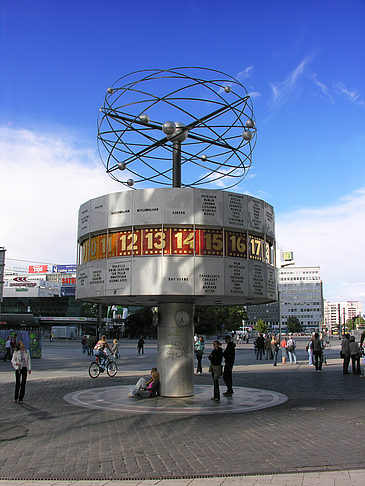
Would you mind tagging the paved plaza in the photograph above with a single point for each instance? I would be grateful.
(72, 429)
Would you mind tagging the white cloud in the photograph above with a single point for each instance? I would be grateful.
(246, 73)
(323, 88)
(254, 94)
(45, 177)
(282, 90)
(333, 238)
(351, 94)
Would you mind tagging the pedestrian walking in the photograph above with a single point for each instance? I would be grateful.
(317, 352)
(140, 345)
(7, 349)
(22, 364)
(345, 354)
(291, 345)
(115, 348)
(309, 349)
(215, 368)
(229, 357)
(275, 346)
(268, 351)
(284, 349)
(355, 355)
(199, 347)
(90, 345)
(13, 341)
(260, 346)
(84, 344)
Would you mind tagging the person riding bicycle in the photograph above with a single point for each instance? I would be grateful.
(100, 353)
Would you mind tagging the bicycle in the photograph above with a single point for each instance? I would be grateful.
(110, 365)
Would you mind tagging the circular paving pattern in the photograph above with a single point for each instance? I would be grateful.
(115, 399)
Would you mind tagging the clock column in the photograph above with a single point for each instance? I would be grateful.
(175, 351)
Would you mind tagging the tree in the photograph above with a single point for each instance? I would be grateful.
(261, 326)
(354, 322)
(215, 320)
(140, 323)
(294, 324)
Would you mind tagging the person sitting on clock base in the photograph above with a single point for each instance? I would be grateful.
(147, 389)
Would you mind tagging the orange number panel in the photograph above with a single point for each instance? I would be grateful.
(209, 242)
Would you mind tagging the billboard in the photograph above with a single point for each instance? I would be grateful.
(64, 268)
(2, 267)
(68, 291)
(38, 269)
(286, 256)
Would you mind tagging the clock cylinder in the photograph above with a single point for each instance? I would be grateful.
(175, 334)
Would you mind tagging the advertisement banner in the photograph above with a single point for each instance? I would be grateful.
(64, 268)
(2, 267)
(38, 269)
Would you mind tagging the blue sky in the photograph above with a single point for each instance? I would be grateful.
(304, 62)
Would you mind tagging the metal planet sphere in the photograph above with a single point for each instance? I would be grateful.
(121, 165)
(250, 123)
(169, 128)
(130, 182)
(247, 135)
(144, 118)
(110, 90)
(227, 89)
(180, 134)
(204, 157)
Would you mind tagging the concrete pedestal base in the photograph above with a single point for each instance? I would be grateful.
(175, 350)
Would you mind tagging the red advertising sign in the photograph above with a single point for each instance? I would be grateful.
(38, 269)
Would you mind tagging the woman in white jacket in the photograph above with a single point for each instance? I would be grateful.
(22, 365)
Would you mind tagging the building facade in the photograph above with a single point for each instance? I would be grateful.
(300, 295)
(336, 314)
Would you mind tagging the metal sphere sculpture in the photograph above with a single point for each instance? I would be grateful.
(156, 123)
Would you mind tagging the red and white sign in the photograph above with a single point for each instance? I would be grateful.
(22, 282)
(38, 269)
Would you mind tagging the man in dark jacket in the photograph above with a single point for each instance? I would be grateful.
(229, 355)
(260, 346)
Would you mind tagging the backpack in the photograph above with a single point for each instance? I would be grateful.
(291, 345)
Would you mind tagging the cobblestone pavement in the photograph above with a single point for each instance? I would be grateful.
(329, 478)
(320, 428)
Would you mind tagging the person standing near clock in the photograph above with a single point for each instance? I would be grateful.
(215, 358)
(22, 364)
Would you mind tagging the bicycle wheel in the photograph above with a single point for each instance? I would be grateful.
(94, 370)
(111, 368)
